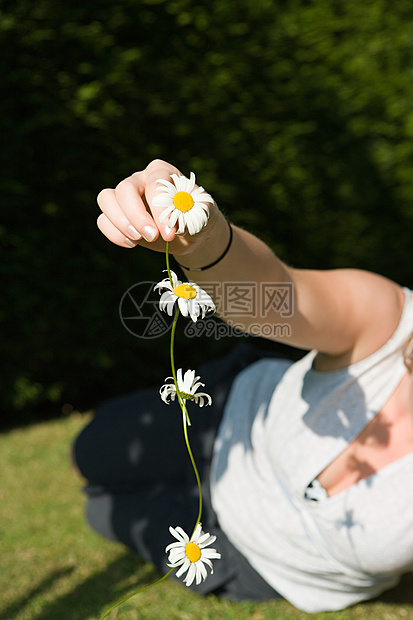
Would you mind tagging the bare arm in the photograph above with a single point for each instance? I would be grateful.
(344, 314)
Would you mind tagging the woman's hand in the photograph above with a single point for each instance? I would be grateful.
(129, 218)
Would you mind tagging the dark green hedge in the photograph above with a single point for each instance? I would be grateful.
(296, 115)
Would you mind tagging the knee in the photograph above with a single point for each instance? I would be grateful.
(99, 515)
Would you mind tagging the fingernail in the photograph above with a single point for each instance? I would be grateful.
(149, 233)
(129, 243)
(133, 233)
(167, 230)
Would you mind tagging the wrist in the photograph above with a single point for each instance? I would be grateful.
(217, 260)
(210, 248)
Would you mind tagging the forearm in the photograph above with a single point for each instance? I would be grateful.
(249, 282)
(333, 311)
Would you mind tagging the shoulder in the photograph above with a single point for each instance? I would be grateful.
(377, 308)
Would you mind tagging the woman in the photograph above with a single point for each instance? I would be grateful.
(307, 465)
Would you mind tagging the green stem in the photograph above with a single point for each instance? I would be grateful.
(126, 598)
(171, 353)
(171, 347)
(167, 262)
(198, 480)
(185, 415)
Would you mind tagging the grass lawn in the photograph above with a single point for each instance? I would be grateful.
(53, 567)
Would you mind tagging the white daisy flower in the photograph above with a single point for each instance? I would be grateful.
(191, 554)
(192, 300)
(183, 203)
(187, 385)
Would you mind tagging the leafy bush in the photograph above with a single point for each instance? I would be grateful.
(295, 114)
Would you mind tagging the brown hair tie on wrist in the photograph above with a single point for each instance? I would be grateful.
(224, 253)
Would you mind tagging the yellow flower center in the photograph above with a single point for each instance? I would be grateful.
(183, 201)
(185, 290)
(193, 552)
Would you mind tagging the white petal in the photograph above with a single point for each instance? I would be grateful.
(177, 182)
(206, 539)
(172, 548)
(195, 386)
(173, 218)
(191, 575)
(199, 194)
(177, 555)
(185, 184)
(185, 566)
(165, 396)
(188, 380)
(191, 183)
(167, 305)
(197, 533)
(210, 554)
(181, 224)
(163, 284)
(175, 545)
(162, 200)
(179, 533)
(198, 572)
(204, 298)
(168, 297)
(166, 212)
(193, 225)
(201, 217)
(179, 379)
(175, 280)
(183, 305)
(182, 184)
(167, 184)
(202, 573)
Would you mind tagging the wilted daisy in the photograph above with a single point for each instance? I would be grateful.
(191, 554)
(183, 203)
(192, 300)
(187, 385)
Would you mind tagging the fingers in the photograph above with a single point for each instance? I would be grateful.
(126, 211)
(130, 199)
(147, 180)
(127, 215)
(115, 214)
(114, 234)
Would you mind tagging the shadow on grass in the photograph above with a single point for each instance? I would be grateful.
(90, 598)
(12, 610)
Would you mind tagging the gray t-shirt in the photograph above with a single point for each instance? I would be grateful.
(283, 424)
